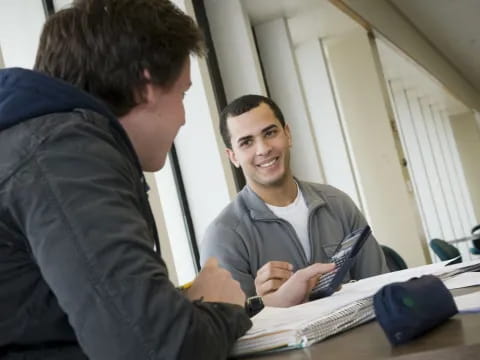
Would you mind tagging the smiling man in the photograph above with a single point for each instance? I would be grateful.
(278, 234)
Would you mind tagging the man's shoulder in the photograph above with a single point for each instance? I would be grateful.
(325, 191)
(232, 215)
(19, 142)
(49, 135)
(37, 130)
(226, 233)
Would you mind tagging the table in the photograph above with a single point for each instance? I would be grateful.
(458, 338)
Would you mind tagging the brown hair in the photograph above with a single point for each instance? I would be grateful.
(104, 46)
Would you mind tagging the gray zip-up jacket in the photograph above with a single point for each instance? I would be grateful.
(246, 235)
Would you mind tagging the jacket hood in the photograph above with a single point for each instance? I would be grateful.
(26, 94)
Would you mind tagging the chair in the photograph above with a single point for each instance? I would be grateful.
(445, 251)
(476, 243)
(393, 259)
(475, 250)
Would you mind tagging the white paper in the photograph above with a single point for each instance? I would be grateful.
(463, 280)
(469, 302)
(293, 317)
(279, 320)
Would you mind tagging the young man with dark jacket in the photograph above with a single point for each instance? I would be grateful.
(277, 236)
(79, 277)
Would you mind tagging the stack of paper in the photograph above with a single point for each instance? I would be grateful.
(469, 303)
(302, 325)
(275, 328)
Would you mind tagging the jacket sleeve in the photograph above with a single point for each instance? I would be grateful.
(77, 201)
(370, 260)
(224, 243)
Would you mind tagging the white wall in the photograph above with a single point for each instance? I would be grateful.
(20, 26)
(433, 142)
(279, 64)
(160, 221)
(60, 4)
(383, 16)
(407, 118)
(327, 128)
(467, 139)
(422, 107)
(205, 169)
(235, 49)
(433, 165)
(375, 160)
(460, 219)
(464, 200)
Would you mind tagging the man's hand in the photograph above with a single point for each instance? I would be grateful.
(297, 288)
(215, 284)
(271, 276)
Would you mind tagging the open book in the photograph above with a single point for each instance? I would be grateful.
(305, 324)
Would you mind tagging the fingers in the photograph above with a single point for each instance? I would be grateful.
(275, 270)
(277, 264)
(315, 270)
(269, 286)
(211, 262)
(271, 276)
(272, 273)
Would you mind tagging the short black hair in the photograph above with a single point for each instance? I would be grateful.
(242, 105)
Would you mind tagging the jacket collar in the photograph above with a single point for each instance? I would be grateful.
(26, 94)
(259, 210)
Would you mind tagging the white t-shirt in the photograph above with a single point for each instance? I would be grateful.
(296, 214)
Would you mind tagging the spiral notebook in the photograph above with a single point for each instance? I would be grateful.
(302, 325)
(281, 329)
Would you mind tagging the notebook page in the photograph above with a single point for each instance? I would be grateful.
(468, 303)
(463, 280)
(286, 326)
(369, 286)
(295, 317)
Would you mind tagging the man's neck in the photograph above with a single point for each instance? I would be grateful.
(277, 195)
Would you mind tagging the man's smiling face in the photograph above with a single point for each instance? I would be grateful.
(260, 146)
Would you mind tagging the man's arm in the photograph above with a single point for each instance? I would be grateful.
(296, 289)
(226, 245)
(77, 204)
(222, 242)
(271, 276)
(215, 284)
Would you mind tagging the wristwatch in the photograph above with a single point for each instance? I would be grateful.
(253, 305)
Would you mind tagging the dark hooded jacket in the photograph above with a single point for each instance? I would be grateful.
(78, 274)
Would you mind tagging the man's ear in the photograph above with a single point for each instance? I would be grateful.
(289, 135)
(232, 157)
(147, 92)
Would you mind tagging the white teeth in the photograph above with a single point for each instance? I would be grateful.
(270, 163)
